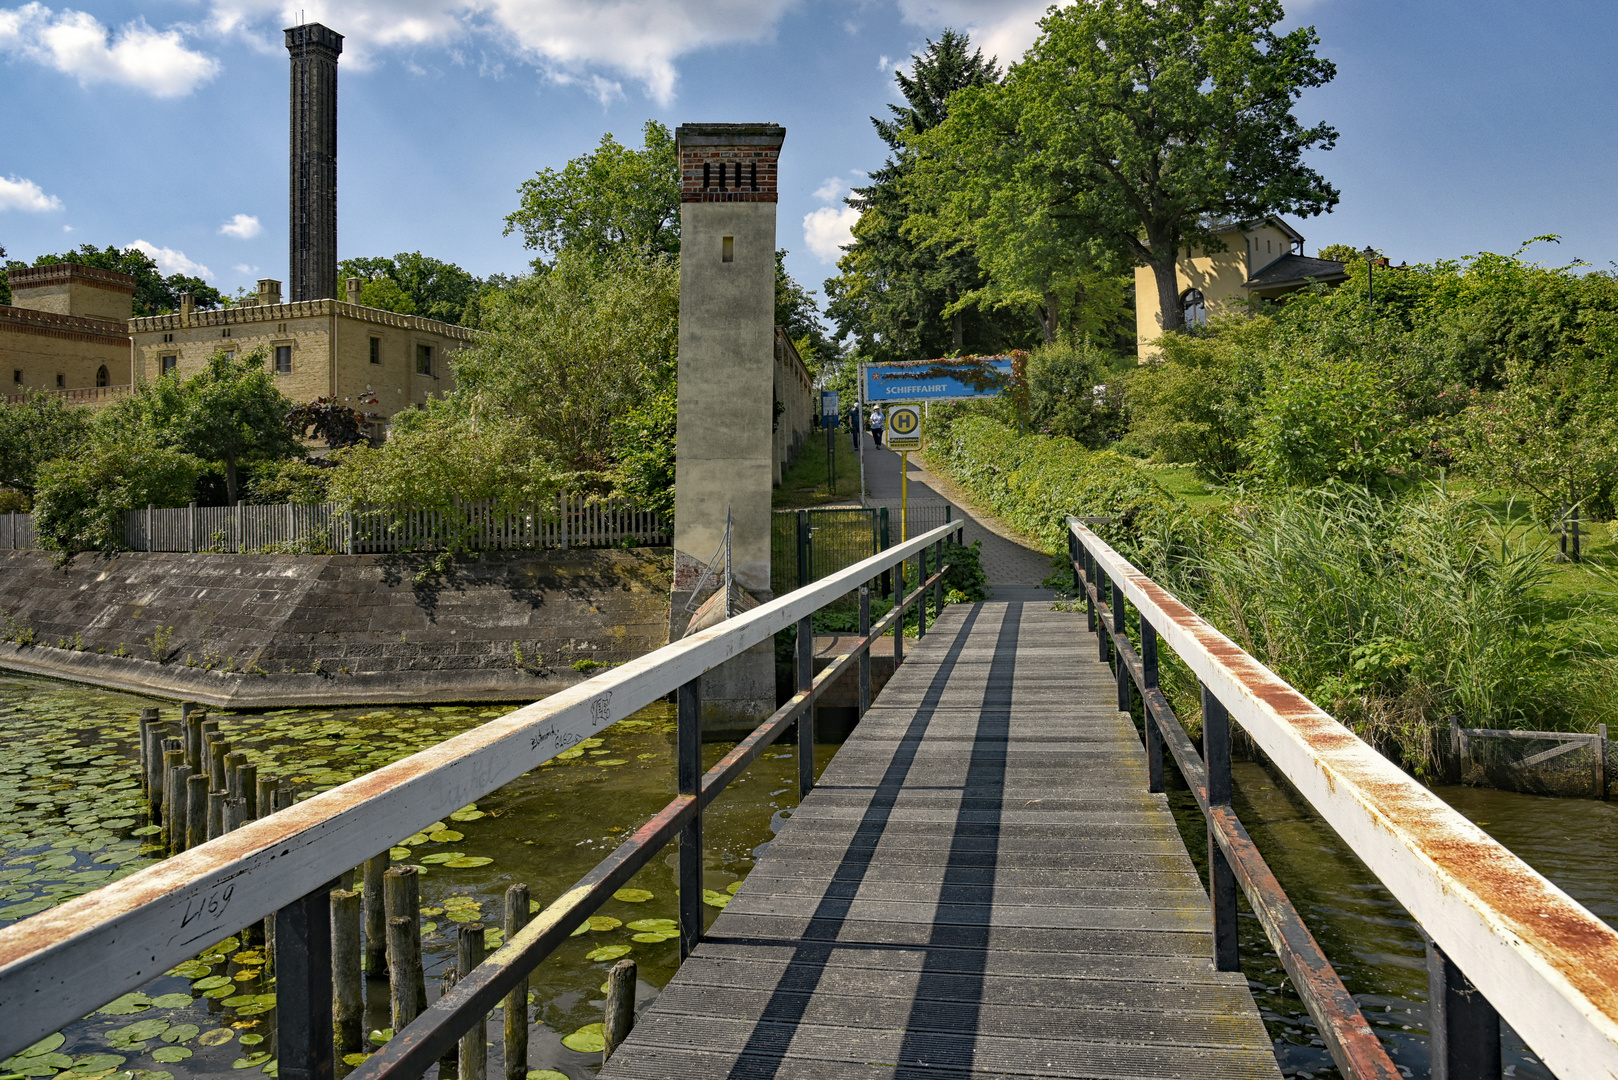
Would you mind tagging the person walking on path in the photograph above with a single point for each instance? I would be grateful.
(854, 426)
(876, 425)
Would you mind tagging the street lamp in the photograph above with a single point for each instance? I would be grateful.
(1370, 265)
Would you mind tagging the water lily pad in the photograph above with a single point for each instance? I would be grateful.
(98, 1062)
(546, 1074)
(170, 1054)
(632, 896)
(468, 861)
(44, 1046)
(446, 836)
(181, 1033)
(171, 1001)
(211, 982)
(355, 1059)
(252, 1040)
(587, 1040)
(124, 1006)
(655, 926)
(614, 761)
(381, 1036)
(604, 922)
(216, 1037)
(146, 830)
(220, 991)
(145, 1029)
(43, 1064)
(568, 755)
(582, 929)
(716, 899)
(192, 969)
(732, 887)
(251, 1061)
(397, 853)
(441, 857)
(470, 813)
(652, 939)
(607, 952)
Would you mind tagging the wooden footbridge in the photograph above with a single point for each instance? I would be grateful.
(986, 879)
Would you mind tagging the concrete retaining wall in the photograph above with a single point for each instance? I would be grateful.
(250, 631)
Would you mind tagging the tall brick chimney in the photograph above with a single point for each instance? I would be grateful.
(312, 269)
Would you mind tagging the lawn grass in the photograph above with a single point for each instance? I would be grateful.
(804, 481)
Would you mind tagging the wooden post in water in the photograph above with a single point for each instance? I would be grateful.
(620, 1012)
(148, 720)
(449, 1062)
(474, 1044)
(266, 796)
(216, 813)
(376, 919)
(173, 786)
(159, 773)
(348, 1005)
(247, 788)
(179, 784)
(285, 796)
(191, 720)
(516, 1006)
(196, 811)
(217, 751)
(403, 952)
(234, 760)
(402, 894)
(236, 816)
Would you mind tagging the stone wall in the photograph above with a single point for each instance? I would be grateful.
(310, 629)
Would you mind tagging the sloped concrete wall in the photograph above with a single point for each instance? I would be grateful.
(325, 629)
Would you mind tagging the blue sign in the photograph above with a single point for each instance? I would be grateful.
(933, 380)
(828, 408)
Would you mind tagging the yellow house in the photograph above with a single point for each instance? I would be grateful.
(1262, 260)
(65, 333)
(379, 362)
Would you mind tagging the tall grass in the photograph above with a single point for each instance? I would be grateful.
(1395, 613)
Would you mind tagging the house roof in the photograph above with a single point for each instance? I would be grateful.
(1228, 225)
(1296, 270)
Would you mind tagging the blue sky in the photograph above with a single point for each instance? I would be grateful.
(1464, 126)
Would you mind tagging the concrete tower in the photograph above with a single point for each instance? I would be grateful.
(312, 268)
(724, 446)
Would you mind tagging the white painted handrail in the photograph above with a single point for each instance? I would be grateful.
(62, 964)
(1547, 965)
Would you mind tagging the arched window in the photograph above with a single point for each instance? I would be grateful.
(102, 378)
(1196, 311)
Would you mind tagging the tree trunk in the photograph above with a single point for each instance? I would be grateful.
(957, 331)
(1050, 317)
(1168, 294)
(1562, 529)
(1573, 521)
(230, 480)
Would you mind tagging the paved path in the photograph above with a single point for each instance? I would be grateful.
(1015, 570)
(979, 886)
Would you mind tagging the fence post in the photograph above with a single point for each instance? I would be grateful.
(1154, 737)
(191, 528)
(1221, 879)
(1103, 642)
(886, 588)
(938, 590)
(806, 719)
(562, 502)
(1600, 749)
(1464, 1029)
(865, 653)
(899, 623)
(689, 737)
(151, 540)
(803, 548)
(921, 591)
(1120, 623)
(303, 1006)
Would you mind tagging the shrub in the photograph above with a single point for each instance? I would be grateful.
(1196, 403)
(82, 499)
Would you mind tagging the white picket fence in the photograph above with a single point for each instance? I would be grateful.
(332, 528)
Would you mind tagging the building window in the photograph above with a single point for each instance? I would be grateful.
(1194, 308)
(283, 359)
(167, 338)
(61, 381)
(170, 362)
(230, 354)
(225, 332)
(376, 350)
(727, 249)
(424, 359)
(16, 377)
(102, 378)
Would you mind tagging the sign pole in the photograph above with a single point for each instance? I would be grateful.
(861, 420)
(904, 495)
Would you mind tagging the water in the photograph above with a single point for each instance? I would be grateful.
(72, 818)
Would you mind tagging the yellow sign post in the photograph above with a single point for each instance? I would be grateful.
(904, 435)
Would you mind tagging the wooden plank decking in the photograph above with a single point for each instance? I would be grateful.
(979, 886)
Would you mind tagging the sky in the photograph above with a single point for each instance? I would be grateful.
(1464, 127)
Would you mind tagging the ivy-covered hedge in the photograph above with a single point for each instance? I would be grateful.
(1034, 481)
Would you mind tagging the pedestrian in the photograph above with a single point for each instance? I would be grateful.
(876, 424)
(854, 425)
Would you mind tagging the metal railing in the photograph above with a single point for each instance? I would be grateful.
(133, 930)
(1502, 941)
(828, 539)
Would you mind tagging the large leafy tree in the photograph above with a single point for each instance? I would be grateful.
(34, 431)
(899, 297)
(154, 293)
(415, 284)
(1135, 128)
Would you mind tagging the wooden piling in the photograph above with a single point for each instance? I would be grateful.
(348, 1003)
(160, 774)
(266, 796)
(148, 720)
(218, 749)
(175, 797)
(401, 891)
(235, 814)
(196, 811)
(474, 1044)
(157, 737)
(404, 954)
(234, 761)
(516, 1005)
(216, 813)
(285, 796)
(192, 722)
(247, 787)
(449, 1063)
(619, 1015)
(376, 919)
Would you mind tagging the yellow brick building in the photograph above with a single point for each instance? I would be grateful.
(1262, 260)
(66, 332)
(380, 362)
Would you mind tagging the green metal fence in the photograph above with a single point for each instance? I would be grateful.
(829, 540)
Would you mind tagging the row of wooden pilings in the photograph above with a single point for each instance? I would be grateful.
(198, 787)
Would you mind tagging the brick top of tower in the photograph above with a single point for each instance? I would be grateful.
(313, 36)
(729, 162)
(36, 277)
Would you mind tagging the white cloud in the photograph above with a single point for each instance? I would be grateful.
(828, 230)
(245, 270)
(830, 189)
(76, 43)
(883, 61)
(170, 261)
(242, 227)
(573, 42)
(67, 228)
(1001, 28)
(20, 194)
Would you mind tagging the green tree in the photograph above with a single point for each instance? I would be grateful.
(898, 297)
(1073, 391)
(1136, 127)
(1196, 402)
(154, 293)
(36, 430)
(603, 201)
(231, 411)
(83, 497)
(411, 283)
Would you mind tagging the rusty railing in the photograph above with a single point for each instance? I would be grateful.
(1502, 941)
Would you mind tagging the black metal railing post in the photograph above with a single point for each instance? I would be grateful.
(689, 769)
(303, 986)
(1221, 878)
(806, 722)
(1084, 587)
(882, 534)
(1103, 643)
(1154, 737)
(1464, 1029)
(899, 623)
(938, 590)
(921, 593)
(865, 653)
(803, 548)
(1120, 626)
